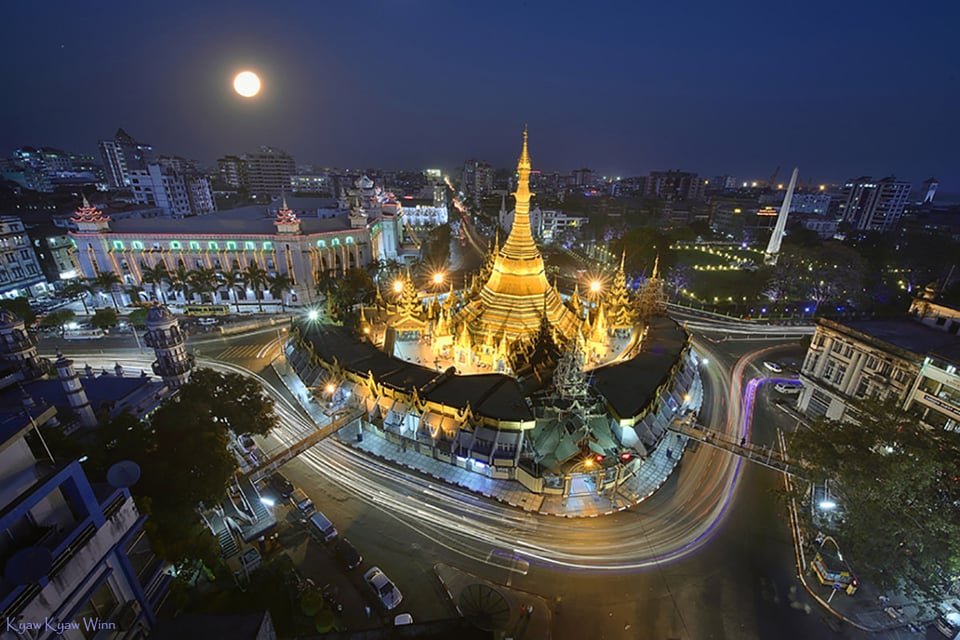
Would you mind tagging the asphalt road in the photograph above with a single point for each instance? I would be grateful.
(620, 576)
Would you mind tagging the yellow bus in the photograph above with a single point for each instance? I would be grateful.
(206, 310)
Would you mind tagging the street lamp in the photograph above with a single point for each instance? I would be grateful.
(438, 278)
(397, 286)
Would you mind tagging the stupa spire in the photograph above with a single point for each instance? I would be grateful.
(520, 244)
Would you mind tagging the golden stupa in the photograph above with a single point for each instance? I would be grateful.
(512, 302)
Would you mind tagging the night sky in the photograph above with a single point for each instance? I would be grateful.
(840, 88)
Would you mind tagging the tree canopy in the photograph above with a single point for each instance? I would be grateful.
(21, 308)
(898, 484)
(104, 318)
(182, 453)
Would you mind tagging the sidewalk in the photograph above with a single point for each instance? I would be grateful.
(868, 609)
(654, 471)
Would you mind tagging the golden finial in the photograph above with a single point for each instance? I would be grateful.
(524, 155)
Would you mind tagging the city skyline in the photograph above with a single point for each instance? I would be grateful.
(841, 94)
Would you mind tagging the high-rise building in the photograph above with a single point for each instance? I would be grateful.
(874, 205)
(674, 185)
(268, 171)
(180, 193)
(20, 273)
(161, 188)
(477, 177)
(121, 155)
(232, 171)
(815, 203)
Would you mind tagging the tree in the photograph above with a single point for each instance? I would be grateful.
(898, 484)
(59, 319)
(278, 286)
(104, 319)
(21, 308)
(138, 317)
(204, 280)
(156, 276)
(232, 400)
(77, 289)
(678, 278)
(180, 282)
(231, 278)
(256, 278)
(106, 281)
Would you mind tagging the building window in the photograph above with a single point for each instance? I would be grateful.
(212, 246)
(268, 246)
(138, 245)
(175, 245)
(871, 363)
(335, 242)
(349, 240)
(249, 246)
(194, 246)
(100, 607)
(118, 245)
(322, 244)
(828, 371)
(231, 246)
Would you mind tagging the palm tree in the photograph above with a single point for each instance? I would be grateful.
(106, 281)
(180, 282)
(135, 292)
(203, 280)
(278, 286)
(256, 278)
(77, 290)
(231, 278)
(155, 276)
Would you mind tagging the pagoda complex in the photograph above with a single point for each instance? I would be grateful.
(516, 294)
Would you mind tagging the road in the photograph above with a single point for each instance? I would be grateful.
(708, 556)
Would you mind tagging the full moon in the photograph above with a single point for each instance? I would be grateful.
(247, 84)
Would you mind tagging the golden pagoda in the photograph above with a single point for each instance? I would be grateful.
(516, 295)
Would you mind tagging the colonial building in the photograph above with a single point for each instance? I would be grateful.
(912, 359)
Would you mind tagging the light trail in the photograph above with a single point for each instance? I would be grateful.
(673, 527)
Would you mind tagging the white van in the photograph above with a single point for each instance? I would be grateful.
(322, 528)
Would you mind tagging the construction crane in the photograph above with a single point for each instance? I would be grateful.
(772, 181)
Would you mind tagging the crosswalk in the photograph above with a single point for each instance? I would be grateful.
(267, 351)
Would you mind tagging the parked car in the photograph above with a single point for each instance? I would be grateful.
(347, 554)
(302, 502)
(787, 389)
(402, 619)
(246, 442)
(773, 366)
(280, 484)
(383, 588)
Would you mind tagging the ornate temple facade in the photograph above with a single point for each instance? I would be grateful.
(516, 294)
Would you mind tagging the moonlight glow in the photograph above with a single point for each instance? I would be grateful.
(247, 84)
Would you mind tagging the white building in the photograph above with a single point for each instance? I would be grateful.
(912, 359)
(874, 205)
(74, 553)
(161, 188)
(20, 272)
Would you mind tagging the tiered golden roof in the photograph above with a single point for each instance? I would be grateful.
(517, 294)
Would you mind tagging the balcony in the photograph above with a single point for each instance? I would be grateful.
(76, 552)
